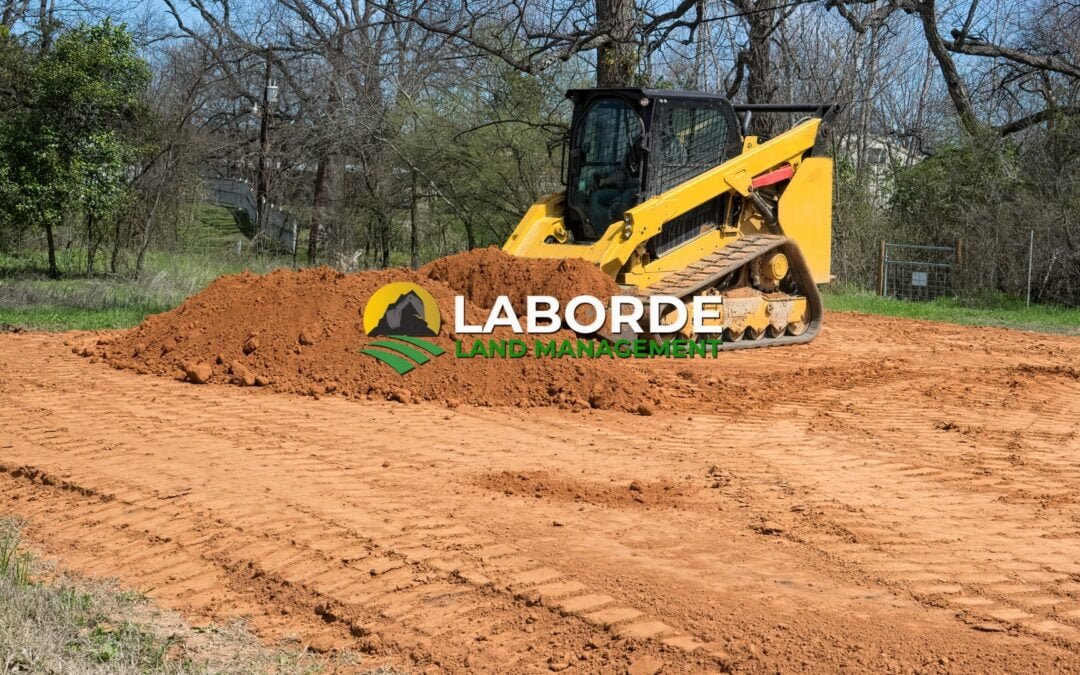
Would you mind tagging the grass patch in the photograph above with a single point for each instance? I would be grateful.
(984, 310)
(60, 624)
(217, 226)
(29, 299)
(58, 627)
(62, 318)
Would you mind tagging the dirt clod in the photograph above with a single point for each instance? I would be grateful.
(198, 373)
(241, 375)
(646, 665)
(322, 644)
(768, 528)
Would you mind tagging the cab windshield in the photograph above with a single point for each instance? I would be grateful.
(604, 180)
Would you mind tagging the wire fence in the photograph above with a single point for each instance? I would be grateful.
(918, 272)
(925, 272)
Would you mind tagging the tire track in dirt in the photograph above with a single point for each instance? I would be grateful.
(934, 523)
(820, 521)
(354, 556)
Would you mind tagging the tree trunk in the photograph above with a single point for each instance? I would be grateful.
(91, 243)
(957, 91)
(45, 25)
(114, 259)
(317, 203)
(759, 85)
(140, 258)
(866, 109)
(470, 236)
(384, 236)
(414, 253)
(701, 48)
(53, 271)
(262, 182)
(617, 58)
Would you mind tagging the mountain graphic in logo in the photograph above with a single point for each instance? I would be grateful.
(404, 317)
(403, 312)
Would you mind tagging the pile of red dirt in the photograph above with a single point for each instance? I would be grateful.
(302, 332)
(484, 274)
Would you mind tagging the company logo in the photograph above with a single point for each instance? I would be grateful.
(404, 313)
(402, 308)
(659, 326)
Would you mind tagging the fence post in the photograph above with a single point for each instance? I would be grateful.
(881, 270)
(1031, 261)
(959, 262)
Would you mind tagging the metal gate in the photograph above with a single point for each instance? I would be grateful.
(917, 272)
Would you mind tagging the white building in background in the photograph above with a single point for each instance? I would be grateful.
(882, 156)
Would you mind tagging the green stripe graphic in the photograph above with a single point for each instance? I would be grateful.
(405, 350)
(396, 353)
(393, 360)
(429, 347)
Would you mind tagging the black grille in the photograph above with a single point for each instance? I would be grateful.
(689, 225)
(692, 139)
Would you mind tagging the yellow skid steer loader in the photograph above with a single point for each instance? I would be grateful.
(667, 193)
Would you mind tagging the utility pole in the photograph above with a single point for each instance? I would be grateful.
(262, 202)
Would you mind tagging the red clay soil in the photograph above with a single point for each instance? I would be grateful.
(484, 274)
(895, 497)
(302, 332)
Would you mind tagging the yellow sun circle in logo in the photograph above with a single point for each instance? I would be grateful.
(402, 308)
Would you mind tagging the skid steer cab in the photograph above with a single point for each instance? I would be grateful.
(628, 145)
(668, 193)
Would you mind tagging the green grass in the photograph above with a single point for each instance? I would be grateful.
(53, 623)
(216, 226)
(60, 318)
(29, 299)
(52, 627)
(986, 310)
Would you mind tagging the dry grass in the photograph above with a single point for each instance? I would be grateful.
(55, 623)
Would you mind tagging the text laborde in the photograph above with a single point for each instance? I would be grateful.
(543, 315)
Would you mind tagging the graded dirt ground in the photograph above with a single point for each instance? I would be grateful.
(896, 496)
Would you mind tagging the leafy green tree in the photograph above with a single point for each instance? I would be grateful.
(14, 79)
(487, 152)
(993, 194)
(68, 146)
(941, 196)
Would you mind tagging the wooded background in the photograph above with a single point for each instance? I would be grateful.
(407, 130)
